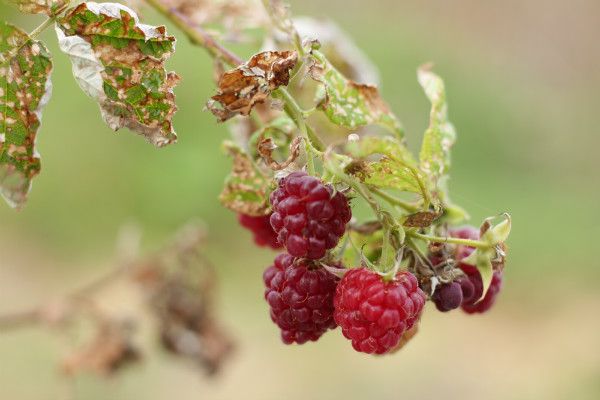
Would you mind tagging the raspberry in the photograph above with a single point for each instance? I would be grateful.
(374, 314)
(448, 296)
(307, 216)
(465, 232)
(301, 298)
(472, 305)
(263, 233)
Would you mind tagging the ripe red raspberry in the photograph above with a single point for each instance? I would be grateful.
(300, 295)
(263, 233)
(307, 216)
(472, 305)
(448, 296)
(374, 314)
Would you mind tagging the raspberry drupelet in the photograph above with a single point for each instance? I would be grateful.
(373, 313)
(309, 216)
(300, 295)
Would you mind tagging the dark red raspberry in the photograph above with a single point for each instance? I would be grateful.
(468, 289)
(308, 216)
(374, 314)
(300, 295)
(448, 296)
(472, 305)
(263, 233)
(464, 232)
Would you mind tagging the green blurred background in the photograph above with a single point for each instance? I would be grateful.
(523, 81)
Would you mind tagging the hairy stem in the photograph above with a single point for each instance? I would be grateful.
(439, 239)
(394, 200)
(295, 112)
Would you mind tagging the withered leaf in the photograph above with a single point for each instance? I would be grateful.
(266, 147)
(25, 88)
(277, 134)
(246, 189)
(421, 219)
(48, 7)
(110, 350)
(119, 62)
(251, 83)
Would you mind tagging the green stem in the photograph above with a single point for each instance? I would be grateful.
(394, 200)
(295, 112)
(467, 242)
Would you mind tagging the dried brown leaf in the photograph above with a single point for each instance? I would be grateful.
(251, 83)
(421, 219)
(266, 146)
(110, 350)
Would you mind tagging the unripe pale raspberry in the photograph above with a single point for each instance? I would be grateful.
(308, 216)
(261, 229)
(300, 295)
(373, 313)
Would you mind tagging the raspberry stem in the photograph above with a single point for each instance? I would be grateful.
(393, 200)
(447, 239)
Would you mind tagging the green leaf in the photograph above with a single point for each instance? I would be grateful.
(440, 135)
(25, 88)
(395, 169)
(246, 189)
(119, 62)
(48, 7)
(350, 104)
(482, 260)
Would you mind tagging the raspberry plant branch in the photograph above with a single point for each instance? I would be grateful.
(288, 202)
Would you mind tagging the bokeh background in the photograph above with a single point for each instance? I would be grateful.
(523, 80)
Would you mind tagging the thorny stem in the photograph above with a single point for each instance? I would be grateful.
(447, 239)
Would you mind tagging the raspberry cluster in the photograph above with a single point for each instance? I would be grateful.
(309, 216)
(263, 233)
(374, 314)
(300, 295)
(466, 291)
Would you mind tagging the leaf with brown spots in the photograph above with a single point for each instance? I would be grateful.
(350, 104)
(48, 7)
(25, 88)
(246, 189)
(440, 135)
(119, 62)
(251, 83)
